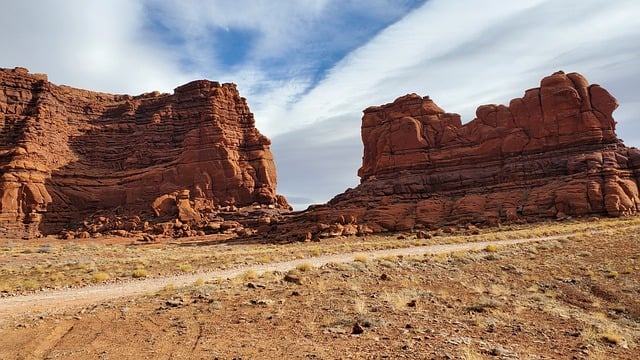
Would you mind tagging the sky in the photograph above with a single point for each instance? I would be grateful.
(309, 67)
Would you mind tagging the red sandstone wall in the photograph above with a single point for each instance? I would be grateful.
(66, 153)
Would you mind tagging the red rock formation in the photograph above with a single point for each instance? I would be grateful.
(66, 153)
(550, 154)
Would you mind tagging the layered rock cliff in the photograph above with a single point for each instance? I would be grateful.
(551, 154)
(67, 153)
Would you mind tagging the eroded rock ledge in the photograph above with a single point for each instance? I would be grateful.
(67, 154)
(552, 154)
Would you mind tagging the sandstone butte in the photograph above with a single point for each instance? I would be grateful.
(83, 163)
(120, 163)
(551, 154)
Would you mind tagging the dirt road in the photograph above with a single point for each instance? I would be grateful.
(59, 300)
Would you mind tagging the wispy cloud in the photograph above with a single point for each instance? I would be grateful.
(273, 50)
(314, 164)
(464, 54)
(300, 34)
(468, 53)
(309, 67)
(91, 44)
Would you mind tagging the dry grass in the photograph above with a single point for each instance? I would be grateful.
(305, 266)
(361, 258)
(54, 263)
(100, 276)
(400, 300)
(553, 299)
(612, 274)
(139, 273)
(360, 306)
(491, 248)
(186, 268)
(610, 336)
(249, 275)
(30, 284)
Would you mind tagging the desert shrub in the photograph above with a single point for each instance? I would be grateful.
(613, 274)
(361, 258)
(45, 249)
(56, 276)
(491, 248)
(483, 304)
(139, 273)
(304, 266)
(610, 336)
(100, 276)
(30, 284)
(72, 246)
(250, 274)
(389, 258)
(263, 259)
(186, 268)
(359, 306)
(400, 299)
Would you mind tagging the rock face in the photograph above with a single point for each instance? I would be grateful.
(67, 153)
(550, 154)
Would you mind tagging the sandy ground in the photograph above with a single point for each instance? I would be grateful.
(59, 300)
(575, 296)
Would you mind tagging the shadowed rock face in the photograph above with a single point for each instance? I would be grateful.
(550, 154)
(66, 153)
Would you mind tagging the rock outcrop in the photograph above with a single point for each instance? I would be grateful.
(67, 153)
(553, 153)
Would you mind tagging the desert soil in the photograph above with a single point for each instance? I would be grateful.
(557, 297)
(55, 301)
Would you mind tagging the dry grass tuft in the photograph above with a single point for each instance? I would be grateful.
(491, 248)
(304, 266)
(30, 284)
(264, 259)
(186, 268)
(400, 300)
(249, 275)
(611, 336)
(169, 288)
(359, 306)
(612, 274)
(100, 276)
(469, 353)
(139, 273)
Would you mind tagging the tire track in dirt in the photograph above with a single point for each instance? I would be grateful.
(44, 346)
(59, 300)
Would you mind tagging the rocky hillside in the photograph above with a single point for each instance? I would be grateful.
(552, 154)
(67, 154)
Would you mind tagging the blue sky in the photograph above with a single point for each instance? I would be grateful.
(309, 67)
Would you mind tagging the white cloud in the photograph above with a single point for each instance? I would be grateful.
(314, 165)
(468, 53)
(280, 27)
(464, 54)
(461, 53)
(295, 34)
(90, 44)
